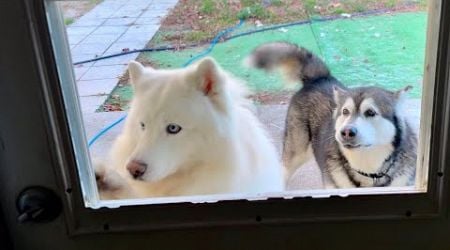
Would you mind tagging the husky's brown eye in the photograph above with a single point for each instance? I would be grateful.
(173, 128)
(370, 113)
(142, 125)
(345, 111)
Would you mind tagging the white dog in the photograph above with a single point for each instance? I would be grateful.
(189, 131)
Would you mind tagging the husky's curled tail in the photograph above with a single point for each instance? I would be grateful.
(297, 63)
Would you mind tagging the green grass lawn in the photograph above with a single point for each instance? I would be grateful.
(383, 50)
(199, 20)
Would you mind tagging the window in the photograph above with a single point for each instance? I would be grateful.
(310, 208)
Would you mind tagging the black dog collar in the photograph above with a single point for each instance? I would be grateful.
(371, 175)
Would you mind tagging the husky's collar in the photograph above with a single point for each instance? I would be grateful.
(374, 176)
(381, 177)
(371, 175)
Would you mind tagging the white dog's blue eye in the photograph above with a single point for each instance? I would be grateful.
(142, 125)
(173, 128)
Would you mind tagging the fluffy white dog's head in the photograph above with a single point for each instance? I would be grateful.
(178, 118)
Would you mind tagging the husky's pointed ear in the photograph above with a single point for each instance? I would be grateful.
(338, 92)
(208, 77)
(135, 69)
(401, 94)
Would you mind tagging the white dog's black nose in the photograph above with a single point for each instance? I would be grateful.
(136, 168)
(349, 132)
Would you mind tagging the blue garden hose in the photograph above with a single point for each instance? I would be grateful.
(105, 129)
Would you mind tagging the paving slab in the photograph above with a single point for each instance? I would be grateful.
(107, 30)
(99, 39)
(90, 49)
(103, 72)
(148, 20)
(122, 60)
(96, 87)
(127, 13)
(121, 46)
(133, 37)
(80, 71)
(89, 104)
(121, 21)
(142, 29)
(75, 39)
(88, 22)
(81, 31)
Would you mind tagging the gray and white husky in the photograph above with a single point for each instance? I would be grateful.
(358, 136)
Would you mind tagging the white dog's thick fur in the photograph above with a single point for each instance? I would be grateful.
(221, 148)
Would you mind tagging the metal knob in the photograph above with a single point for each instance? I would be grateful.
(37, 204)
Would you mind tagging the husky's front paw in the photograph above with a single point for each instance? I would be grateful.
(110, 184)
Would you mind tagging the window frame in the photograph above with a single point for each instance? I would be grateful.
(273, 211)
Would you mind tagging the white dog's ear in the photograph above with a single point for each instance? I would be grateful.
(135, 69)
(208, 77)
(338, 92)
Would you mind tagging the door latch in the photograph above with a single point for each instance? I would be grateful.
(37, 204)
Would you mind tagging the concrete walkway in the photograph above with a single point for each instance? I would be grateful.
(111, 27)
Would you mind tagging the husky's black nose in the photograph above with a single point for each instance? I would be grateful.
(136, 168)
(348, 132)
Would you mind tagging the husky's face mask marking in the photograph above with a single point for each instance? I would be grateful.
(168, 122)
(365, 121)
